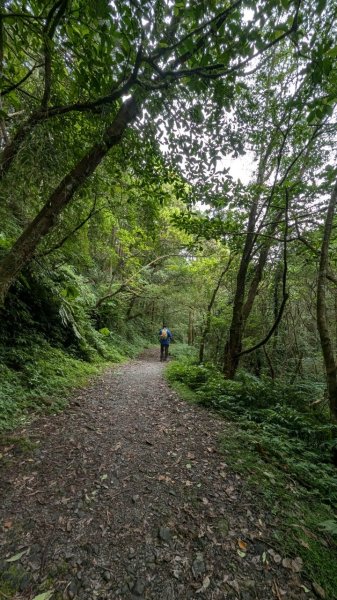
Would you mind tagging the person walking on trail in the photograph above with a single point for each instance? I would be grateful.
(165, 336)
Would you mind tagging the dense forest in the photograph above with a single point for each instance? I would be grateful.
(168, 161)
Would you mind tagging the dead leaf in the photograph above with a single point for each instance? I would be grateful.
(242, 545)
(234, 584)
(165, 478)
(8, 524)
(297, 564)
(286, 563)
(205, 584)
(276, 557)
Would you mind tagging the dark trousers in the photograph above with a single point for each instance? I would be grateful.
(164, 351)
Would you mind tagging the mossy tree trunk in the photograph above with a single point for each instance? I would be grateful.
(24, 248)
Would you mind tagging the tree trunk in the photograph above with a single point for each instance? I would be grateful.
(209, 314)
(190, 328)
(252, 292)
(322, 317)
(24, 248)
(278, 278)
(234, 342)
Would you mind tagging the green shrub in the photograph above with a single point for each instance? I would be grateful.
(277, 417)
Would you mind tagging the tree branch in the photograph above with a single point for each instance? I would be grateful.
(127, 281)
(54, 17)
(14, 86)
(71, 233)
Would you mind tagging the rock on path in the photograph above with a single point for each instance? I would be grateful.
(127, 497)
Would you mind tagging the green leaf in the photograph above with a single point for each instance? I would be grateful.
(104, 331)
(16, 556)
(330, 526)
(44, 595)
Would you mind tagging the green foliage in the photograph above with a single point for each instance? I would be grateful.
(182, 352)
(49, 343)
(330, 526)
(37, 377)
(277, 418)
(277, 441)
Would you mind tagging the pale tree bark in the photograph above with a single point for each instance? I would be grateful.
(322, 316)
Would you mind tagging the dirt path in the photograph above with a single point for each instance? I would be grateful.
(126, 496)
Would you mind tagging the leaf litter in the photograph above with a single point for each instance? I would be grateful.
(110, 513)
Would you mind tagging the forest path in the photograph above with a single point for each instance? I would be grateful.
(126, 496)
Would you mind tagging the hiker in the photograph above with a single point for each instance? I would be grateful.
(165, 336)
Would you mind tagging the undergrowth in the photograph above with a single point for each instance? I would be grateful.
(50, 342)
(281, 442)
(37, 377)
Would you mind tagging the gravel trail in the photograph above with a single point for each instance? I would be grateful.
(125, 495)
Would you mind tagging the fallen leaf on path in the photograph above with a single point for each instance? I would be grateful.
(16, 556)
(276, 557)
(205, 585)
(234, 584)
(44, 595)
(165, 478)
(295, 564)
(8, 524)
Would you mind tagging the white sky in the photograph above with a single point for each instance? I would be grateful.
(240, 168)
